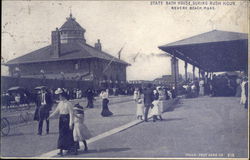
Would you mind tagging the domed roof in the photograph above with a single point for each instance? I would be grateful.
(71, 24)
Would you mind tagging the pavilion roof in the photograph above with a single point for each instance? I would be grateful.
(214, 51)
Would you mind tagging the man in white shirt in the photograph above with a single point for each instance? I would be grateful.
(44, 107)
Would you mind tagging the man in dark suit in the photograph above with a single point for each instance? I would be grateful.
(44, 104)
(148, 99)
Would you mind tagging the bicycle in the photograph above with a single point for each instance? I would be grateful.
(5, 126)
(24, 117)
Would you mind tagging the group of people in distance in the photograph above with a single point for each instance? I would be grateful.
(216, 85)
(151, 99)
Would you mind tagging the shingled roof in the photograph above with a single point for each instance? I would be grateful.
(69, 51)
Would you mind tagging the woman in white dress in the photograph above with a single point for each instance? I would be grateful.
(201, 84)
(156, 107)
(243, 94)
(137, 94)
(139, 109)
(139, 104)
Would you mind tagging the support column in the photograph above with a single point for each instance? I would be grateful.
(186, 65)
(199, 73)
(174, 72)
(193, 72)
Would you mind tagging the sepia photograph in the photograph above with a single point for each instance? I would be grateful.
(124, 79)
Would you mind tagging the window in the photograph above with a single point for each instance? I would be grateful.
(77, 65)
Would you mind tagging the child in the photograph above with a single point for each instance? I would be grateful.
(139, 110)
(80, 132)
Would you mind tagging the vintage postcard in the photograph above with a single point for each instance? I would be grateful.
(125, 79)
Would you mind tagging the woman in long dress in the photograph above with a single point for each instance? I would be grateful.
(105, 109)
(139, 104)
(156, 107)
(65, 110)
(243, 94)
(238, 88)
(139, 109)
(80, 132)
(201, 84)
(137, 94)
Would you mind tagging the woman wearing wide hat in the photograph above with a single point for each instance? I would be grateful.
(65, 110)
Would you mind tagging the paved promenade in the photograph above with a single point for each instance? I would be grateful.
(24, 141)
(204, 127)
(197, 128)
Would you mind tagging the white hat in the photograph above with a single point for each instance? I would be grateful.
(58, 91)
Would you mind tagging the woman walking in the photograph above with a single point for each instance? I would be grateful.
(139, 104)
(90, 98)
(65, 110)
(105, 110)
(137, 94)
(243, 94)
(139, 109)
(156, 107)
(201, 84)
(81, 132)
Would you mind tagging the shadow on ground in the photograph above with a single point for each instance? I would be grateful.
(173, 119)
(81, 152)
(120, 115)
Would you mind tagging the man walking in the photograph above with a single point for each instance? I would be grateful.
(148, 99)
(44, 106)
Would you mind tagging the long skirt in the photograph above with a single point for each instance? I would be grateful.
(65, 140)
(238, 91)
(139, 109)
(105, 110)
(156, 109)
(90, 103)
(201, 92)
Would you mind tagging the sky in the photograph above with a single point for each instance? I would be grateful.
(139, 26)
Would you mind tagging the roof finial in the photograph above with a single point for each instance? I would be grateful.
(70, 15)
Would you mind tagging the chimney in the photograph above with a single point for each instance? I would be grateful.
(98, 45)
(55, 44)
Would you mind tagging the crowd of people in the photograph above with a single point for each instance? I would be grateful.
(219, 85)
(72, 129)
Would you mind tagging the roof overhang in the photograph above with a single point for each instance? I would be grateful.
(216, 56)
